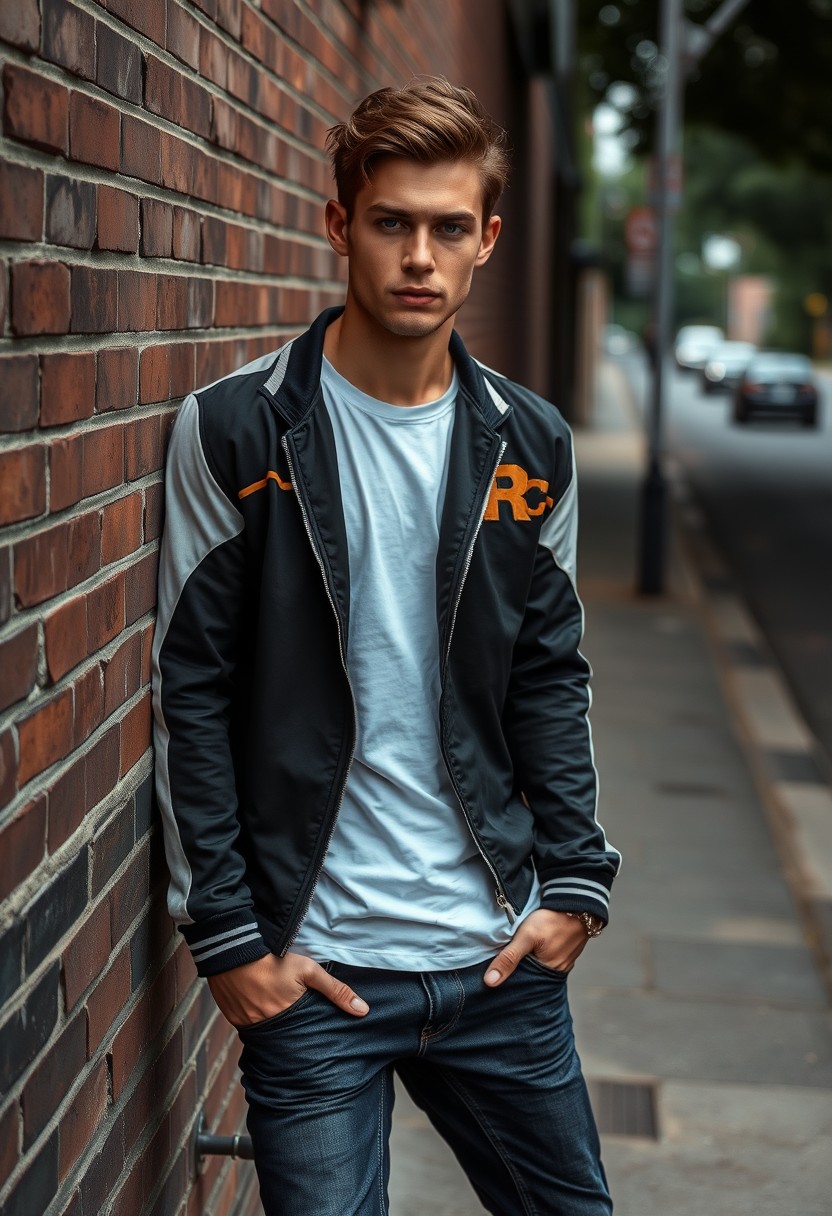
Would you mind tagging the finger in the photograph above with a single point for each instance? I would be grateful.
(506, 961)
(336, 991)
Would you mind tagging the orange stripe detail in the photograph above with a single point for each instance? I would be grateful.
(260, 485)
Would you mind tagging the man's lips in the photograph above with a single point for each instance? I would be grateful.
(416, 293)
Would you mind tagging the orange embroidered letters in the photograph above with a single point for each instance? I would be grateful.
(511, 484)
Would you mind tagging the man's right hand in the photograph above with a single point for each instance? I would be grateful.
(259, 990)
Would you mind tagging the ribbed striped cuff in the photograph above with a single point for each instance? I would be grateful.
(571, 894)
(220, 944)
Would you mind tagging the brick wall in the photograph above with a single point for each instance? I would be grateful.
(161, 190)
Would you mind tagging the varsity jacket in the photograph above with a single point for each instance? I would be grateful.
(254, 719)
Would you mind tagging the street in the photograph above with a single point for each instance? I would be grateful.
(766, 491)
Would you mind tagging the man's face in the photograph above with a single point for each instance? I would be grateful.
(414, 238)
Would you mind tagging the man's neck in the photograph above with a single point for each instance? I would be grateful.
(400, 370)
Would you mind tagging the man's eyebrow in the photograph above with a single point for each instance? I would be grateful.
(449, 217)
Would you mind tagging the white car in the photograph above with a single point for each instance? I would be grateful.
(724, 367)
(694, 344)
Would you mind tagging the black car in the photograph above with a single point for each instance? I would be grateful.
(778, 384)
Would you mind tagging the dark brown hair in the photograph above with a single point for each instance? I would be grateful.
(427, 120)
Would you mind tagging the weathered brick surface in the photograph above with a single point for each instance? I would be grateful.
(161, 191)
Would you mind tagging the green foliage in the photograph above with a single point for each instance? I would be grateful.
(766, 78)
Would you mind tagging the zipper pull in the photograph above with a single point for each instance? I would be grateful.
(503, 903)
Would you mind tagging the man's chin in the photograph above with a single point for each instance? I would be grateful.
(405, 325)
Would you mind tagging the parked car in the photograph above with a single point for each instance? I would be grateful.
(694, 344)
(724, 368)
(777, 383)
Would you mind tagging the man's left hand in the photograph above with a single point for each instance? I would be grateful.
(554, 939)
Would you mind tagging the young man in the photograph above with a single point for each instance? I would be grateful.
(374, 761)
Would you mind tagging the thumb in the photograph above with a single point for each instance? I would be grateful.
(506, 962)
(336, 991)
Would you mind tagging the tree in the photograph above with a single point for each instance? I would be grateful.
(765, 79)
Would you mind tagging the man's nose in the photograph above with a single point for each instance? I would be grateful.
(418, 253)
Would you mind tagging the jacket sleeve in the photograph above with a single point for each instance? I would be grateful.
(201, 593)
(547, 726)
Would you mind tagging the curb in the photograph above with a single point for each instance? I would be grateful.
(787, 765)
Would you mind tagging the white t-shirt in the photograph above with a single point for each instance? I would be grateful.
(403, 885)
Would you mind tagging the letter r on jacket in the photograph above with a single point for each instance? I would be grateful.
(511, 484)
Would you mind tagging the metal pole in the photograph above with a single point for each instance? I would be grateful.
(652, 557)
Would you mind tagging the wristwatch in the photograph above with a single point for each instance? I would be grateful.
(593, 924)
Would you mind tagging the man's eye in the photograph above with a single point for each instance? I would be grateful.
(389, 224)
(452, 229)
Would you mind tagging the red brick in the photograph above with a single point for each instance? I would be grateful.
(94, 132)
(196, 108)
(154, 502)
(137, 301)
(65, 636)
(102, 767)
(66, 472)
(183, 34)
(107, 1000)
(22, 483)
(172, 305)
(147, 655)
(121, 528)
(229, 17)
(122, 674)
(21, 202)
(142, 1026)
(200, 304)
(118, 220)
(141, 149)
(135, 734)
(144, 447)
(224, 125)
(179, 160)
(69, 37)
(163, 89)
(4, 293)
(118, 377)
(154, 378)
(213, 59)
(22, 846)
(141, 587)
(157, 229)
(18, 392)
(103, 459)
(36, 109)
(20, 24)
(86, 955)
(67, 805)
(89, 705)
(51, 1080)
(45, 736)
(67, 391)
(185, 234)
(129, 894)
(81, 1118)
(94, 300)
(181, 358)
(8, 1141)
(84, 548)
(8, 768)
(149, 19)
(18, 665)
(70, 212)
(105, 612)
(119, 65)
(40, 565)
(40, 298)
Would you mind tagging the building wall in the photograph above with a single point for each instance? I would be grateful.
(161, 191)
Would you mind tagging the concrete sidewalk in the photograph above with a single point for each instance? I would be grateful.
(701, 1005)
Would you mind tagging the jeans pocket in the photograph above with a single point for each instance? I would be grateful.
(253, 1028)
(536, 965)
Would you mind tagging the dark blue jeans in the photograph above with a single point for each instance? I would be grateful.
(495, 1070)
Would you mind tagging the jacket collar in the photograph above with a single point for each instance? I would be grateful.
(295, 378)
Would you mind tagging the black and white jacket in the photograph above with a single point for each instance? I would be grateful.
(254, 716)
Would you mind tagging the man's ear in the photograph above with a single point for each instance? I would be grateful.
(336, 227)
(489, 238)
